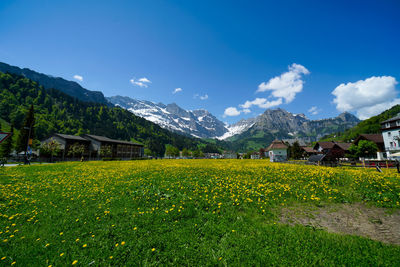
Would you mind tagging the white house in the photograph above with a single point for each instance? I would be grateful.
(391, 135)
(277, 151)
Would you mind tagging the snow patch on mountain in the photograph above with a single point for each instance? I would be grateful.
(198, 123)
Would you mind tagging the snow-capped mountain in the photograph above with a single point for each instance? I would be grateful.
(198, 123)
(237, 128)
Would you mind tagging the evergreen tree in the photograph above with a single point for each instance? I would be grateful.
(296, 151)
(185, 152)
(27, 131)
(7, 145)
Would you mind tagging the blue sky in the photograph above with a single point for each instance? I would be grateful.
(314, 57)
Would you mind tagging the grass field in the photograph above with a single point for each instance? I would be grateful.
(183, 212)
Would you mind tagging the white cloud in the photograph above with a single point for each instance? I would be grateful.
(177, 90)
(202, 97)
(231, 111)
(287, 85)
(144, 80)
(367, 97)
(261, 103)
(314, 110)
(78, 77)
(246, 110)
(141, 82)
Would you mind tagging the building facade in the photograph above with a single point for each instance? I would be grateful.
(96, 147)
(391, 134)
(375, 138)
(277, 151)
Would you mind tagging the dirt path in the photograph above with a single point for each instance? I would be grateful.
(356, 219)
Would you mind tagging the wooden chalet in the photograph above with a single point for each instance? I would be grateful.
(66, 141)
(308, 151)
(375, 138)
(332, 150)
(96, 147)
(102, 146)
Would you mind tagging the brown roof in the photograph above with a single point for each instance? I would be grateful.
(277, 144)
(344, 146)
(331, 144)
(326, 144)
(376, 138)
(309, 149)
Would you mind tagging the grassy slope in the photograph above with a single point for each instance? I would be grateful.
(183, 212)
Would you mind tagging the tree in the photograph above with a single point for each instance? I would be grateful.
(262, 153)
(196, 153)
(157, 147)
(51, 148)
(171, 151)
(364, 149)
(26, 132)
(106, 151)
(201, 154)
(296, 151)
(148, 152)
(76, 149)
(7, 145)
(185, 152)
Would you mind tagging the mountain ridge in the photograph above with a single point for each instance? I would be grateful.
(198, 123)
(47, 81)
(281, 124)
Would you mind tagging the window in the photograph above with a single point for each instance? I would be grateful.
(391, 144)
(397, 123)
(387, 125)
(389, 134)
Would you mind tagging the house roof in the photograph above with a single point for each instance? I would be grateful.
(325, 144)
(376, 138)
(277, 144)
(109, 140)
(71, 137)
(397, 117)
(331, 144)
(344, 146)
(316, 158)
(309, 149)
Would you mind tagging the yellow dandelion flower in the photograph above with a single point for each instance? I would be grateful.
(117, 245)
(111, 257)
(62, 254)
(84, 246)
(122, 243)
(153, 249)
(3, 258)
(74, 262)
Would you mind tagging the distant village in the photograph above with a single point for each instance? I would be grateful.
(376, 149)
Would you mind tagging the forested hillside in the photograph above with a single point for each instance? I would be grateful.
(57, 112)
(368, 126)
(69, 87)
